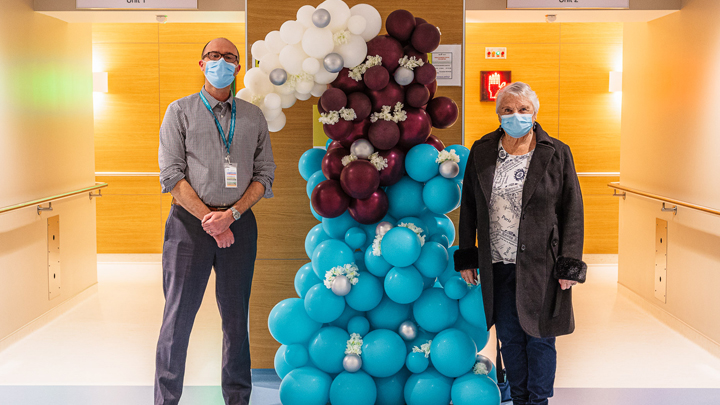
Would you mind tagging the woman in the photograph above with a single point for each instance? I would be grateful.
(521, 200)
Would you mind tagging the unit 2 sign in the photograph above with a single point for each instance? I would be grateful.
(137, 4)
(560, 4)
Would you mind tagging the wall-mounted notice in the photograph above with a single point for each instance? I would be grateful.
(447, 60)
(137, 4)
(559, 4)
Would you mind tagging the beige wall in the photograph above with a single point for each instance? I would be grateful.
(46, 148)
(670, 147)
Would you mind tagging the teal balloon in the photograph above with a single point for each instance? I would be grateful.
(405, 198)
(404, 284)
(360, 260)
(446, 227)
(429, 282)
(353, 389)
(463, 152)
(416, 362)
(327, 144)
(453, 352)
(431, 222)
(314, 238)
(390, 389)
(317, 178)
(400, 247)
(433, 259)
(336, 227)
(420, 162)
(282, 368)
(347, 315)
(417, 222)
(456, 288)
(322, 305)
(479, 335)
(493, 371)
(359, 325)
(441, 239)
(366, 294)
(305, 279)
(315, 214)
(296, 355)
(428, 388)
(450, 269)
(327, 349)
(289, 323)
(355, 238)
(472, 307)
(475, 389)
(305, 386)
(434, 311)
(310, 162)
(328, 254)
(376, 264)
(383, 353)
(388, 314)
(423, 337)
(441, 195)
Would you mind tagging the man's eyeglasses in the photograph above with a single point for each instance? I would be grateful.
(229, 57)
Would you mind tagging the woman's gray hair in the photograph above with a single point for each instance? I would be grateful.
(519, 89)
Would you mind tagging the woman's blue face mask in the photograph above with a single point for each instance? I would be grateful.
(517, 125)
(220, 73)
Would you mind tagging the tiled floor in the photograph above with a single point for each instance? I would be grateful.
(102, 351)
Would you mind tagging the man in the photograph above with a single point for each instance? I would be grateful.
(216, 161)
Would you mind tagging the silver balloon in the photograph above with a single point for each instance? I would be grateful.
(333, 62)
(449, 169)
(341, 286)
(479, 358)
(407, 330)
(404, 76)
(321, 18)
(352, 363)
(362, 148)
(383, 227)
(278, 76)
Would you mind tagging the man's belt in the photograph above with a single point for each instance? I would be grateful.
(176, 202)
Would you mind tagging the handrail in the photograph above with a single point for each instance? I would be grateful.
(89, 190)
(617, 186)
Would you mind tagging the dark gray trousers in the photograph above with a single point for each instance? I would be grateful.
(189, 254)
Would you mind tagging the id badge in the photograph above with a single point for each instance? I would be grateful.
(230, 175)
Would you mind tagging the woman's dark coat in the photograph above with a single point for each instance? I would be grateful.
(551, 226)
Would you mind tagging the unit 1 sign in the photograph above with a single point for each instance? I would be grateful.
(137, 4)
(559, 4)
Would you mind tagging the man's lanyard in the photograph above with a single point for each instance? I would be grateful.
(227, 141)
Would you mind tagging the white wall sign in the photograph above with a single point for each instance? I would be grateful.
(447, 60)
(137, 4)
(559, 4)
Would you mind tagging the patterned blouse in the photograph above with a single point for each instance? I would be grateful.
(506, 204)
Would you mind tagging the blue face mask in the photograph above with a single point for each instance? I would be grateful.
(517, 125)
(219, 73)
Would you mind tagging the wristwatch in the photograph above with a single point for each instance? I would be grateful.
(235, 213)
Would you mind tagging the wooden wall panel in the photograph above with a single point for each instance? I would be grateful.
(499, 34)
(602, 213)
(129, 224)
(591, 33)
(201, 33)
(124, 33)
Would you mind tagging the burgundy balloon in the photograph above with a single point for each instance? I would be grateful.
(332, 163)
(400, 24)
(320, 109)
(359, 131)
(425, 74)
(359, 179)
(329, 200)
(410, 51)
(333, 99)
(361, 104)
(370, 210)
(376, 78)
(346, 83)
(383, 134)
(433, 88)
(443, 111)
(339, 130)
(417, 95)
(419, 21)
(392, 94)
(396, 166)
(415, 129)
(334, 145)
(425, 38)
(387, 47)
(436, 142)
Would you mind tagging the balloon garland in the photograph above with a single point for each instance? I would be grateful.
(382, 317)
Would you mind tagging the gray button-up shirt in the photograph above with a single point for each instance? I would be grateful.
(191, 148)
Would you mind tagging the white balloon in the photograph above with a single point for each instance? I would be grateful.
(258, 82)
(291, 32)
(272, 101)
(288, 100)
(339, 14)
(302, 96)
(269, 62)
(311, 65)
(317, 42)
(291, 58)
(373, 21)
(274, 41)
(304, 16)
(271, 113)
(354, 51)
(259, 49)
(245, 94)
(356, 24)
(278, 123)
(285, 89)
(318, 90)
(325, 77)
(304, 87)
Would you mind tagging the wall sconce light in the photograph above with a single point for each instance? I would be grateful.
(100, 82)
(615, 82)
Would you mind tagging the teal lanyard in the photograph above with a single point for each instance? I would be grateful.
(227, 141)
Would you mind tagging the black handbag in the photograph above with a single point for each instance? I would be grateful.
(502, 382)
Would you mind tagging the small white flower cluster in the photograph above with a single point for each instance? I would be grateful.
(378, 161)
(446, 155)
(341, 37)
(359, 70)
(349, 158)
(415, 229)
(293, 80)
(348, 114)
(258, 100)
(411, 62)
(349, 270)
(480, 368)
(398, 115)
(354, 345)
(333, 117)
(424, 348)
(376, 245)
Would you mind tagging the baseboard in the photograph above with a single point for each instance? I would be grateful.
(609, 259)
(47, 317)
(672, 321)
